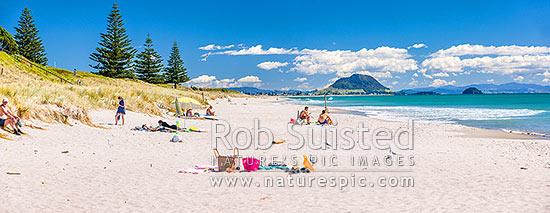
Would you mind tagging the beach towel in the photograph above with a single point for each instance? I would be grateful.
(205, 167)
(141, 128)
(195, 171)
(209, 117)
(193, 129)
(264, 167)
(280, 167)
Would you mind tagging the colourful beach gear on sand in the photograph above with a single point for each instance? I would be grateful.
(307, 164)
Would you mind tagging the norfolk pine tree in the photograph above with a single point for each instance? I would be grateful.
(148, 65)
(175, 72)
(28, 42)
(114, 55)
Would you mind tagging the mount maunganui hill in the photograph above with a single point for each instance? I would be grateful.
(356, 84)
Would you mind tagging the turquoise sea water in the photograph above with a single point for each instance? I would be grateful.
(518, 112)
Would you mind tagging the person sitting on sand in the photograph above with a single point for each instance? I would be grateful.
(162, 125)
(189, 113)
(324, 118)
(7, 118)
(209, 111)
(304, 115)
(121, 111)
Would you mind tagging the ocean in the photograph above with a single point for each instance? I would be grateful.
(510, 112)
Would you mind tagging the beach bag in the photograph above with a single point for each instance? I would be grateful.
(225, 162)
(251, 164)
(176, 138)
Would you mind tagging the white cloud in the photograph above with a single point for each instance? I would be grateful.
(285, 89)
(249, 79)
(268, 65)
(413, 82)
(202, 79)
(416, 46)
(468, 49)
(423, 72)
(209, 81)
(216, 47)
(373, 74)
(258, 50)
(546, 80)
(490, 59)
(303, 86)
(346, 62)
(491, 81)
(441, 74)
(500, 64)
(300, 79)
(545, 74)
(384, 62)
(341, 62)
(519, 79)
(394, 83)
(441, 82)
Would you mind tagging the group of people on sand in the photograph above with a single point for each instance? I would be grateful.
(7, 118)
(323, 117)
(209, 112)
(121, 111)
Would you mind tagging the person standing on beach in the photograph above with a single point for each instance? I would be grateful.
(8, 118)
(121, 111)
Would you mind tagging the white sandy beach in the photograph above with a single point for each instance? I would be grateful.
(458, 168)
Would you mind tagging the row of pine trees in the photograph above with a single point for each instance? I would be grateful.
(115, 57)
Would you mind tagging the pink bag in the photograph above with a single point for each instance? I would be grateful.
(251, 164)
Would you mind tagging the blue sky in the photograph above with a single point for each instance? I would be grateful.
(314, 42)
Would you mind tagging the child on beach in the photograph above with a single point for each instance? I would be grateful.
(121, 111)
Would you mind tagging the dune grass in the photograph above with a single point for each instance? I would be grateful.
(34, 94)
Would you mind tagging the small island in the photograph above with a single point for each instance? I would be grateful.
(472, 91)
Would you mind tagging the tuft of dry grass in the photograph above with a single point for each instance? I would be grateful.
(35, 94)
